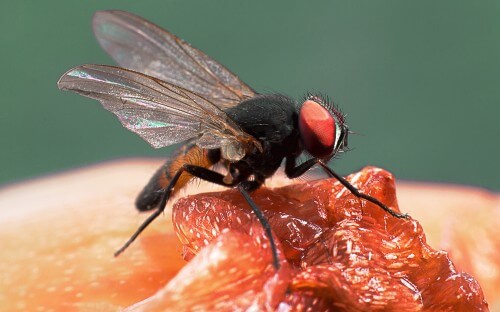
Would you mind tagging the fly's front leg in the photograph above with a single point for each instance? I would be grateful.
(357, 193)
(196, 171)
(293, 171)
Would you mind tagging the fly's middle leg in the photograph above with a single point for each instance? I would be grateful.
(265, 224)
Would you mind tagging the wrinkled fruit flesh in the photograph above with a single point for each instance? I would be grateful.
(337, 252)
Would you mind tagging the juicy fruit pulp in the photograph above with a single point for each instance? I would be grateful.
(337, 252)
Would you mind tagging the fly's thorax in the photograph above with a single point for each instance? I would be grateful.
(272, 120)
(268, 117)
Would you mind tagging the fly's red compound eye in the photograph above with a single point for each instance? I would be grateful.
(317, 129)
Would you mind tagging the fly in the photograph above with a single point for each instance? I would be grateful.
(169, 92)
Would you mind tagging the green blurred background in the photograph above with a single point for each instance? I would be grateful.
(420, 79)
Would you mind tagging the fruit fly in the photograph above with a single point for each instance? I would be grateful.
(169, 92)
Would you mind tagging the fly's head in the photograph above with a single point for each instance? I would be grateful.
(322, 128)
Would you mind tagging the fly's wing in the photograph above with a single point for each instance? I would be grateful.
(159, 112)
(142, 46)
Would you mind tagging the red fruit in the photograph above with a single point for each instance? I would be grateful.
(345, 253)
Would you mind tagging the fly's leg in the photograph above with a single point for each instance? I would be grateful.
(265, 225)
(196, 171)
(293, 171)
(357, 193)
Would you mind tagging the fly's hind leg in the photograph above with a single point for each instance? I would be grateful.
(154, 215)
(168, 180)
(194, 171)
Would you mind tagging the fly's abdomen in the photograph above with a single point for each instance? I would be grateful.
(151, 195)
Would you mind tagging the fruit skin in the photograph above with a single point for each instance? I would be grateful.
(59, 234)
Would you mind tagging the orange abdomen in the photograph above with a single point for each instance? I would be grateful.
(151, 195)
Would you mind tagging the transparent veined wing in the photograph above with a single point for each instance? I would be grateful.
(161, 113)
(140, 45)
